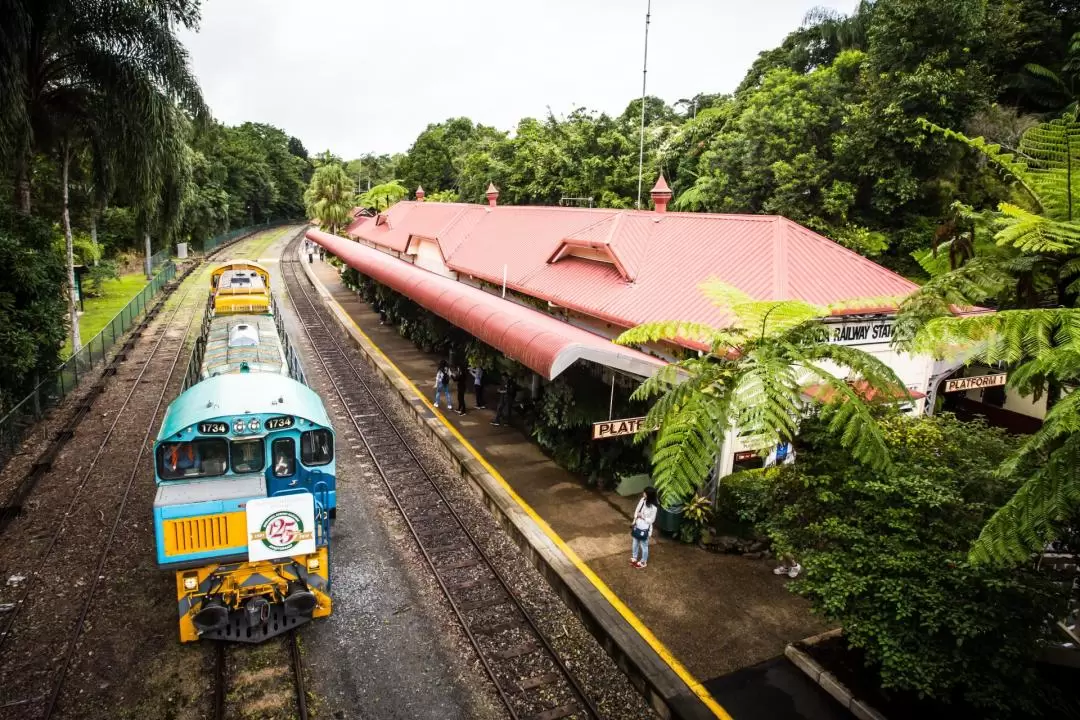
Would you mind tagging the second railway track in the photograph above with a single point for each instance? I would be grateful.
(531, 679)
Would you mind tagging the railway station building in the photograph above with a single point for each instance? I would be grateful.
(552, 286)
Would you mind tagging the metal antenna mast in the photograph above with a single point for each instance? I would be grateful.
(644, 75)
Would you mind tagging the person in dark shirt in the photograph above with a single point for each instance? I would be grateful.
(506, 401)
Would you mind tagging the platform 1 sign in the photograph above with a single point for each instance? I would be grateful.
(975, 383)
(281, 526)
(615, 428)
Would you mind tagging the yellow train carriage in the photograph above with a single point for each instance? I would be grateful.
(240, 286)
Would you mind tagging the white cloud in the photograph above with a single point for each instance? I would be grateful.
(356, 76)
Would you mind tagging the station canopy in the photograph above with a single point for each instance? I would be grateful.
(544, 344)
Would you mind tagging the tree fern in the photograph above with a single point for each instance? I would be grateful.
(753, 379)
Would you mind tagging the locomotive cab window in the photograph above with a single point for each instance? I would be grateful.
(205, 457)
(247, 456)
(284, 452)
(316, 447)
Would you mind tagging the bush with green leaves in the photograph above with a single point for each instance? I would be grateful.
(32, 305)
(885, 555)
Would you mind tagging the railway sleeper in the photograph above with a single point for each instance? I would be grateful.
(515, 652)
(556, 713)
(496, 628)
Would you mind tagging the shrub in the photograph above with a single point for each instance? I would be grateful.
(32, 305)
(885, 555)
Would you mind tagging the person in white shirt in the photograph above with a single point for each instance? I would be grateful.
(641, 528)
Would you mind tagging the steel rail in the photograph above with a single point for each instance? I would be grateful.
(586, 707)
(40, 559)
(104, 555)
(296, 664)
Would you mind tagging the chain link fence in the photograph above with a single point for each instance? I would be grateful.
(59, 384)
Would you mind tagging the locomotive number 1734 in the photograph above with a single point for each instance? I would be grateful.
(279, 423)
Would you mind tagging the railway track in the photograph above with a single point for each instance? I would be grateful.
(120, 454)
(296, 670)
(531, 679)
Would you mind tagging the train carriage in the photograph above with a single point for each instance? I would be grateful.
(240, 286)
(244, 465)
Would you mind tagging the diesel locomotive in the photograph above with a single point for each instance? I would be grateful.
(245, 471)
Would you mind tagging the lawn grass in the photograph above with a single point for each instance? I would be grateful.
(98, 311)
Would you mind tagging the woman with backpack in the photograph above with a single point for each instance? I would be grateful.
(641, 527)
(442, 384)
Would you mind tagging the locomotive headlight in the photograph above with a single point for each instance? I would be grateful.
(238, 425)
(313, 564)
(191, 582)
(253, 424)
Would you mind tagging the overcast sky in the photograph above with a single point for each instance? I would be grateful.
(357, 76)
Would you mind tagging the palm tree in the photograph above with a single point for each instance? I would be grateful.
(329, 197)
(99, 74)
(754, 378)
(1040, 231)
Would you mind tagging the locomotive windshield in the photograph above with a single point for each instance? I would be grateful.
(247, 456)
(316, 447)
(205, 457)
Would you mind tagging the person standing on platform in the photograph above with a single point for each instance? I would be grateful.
(506, 401)
(461, 374)
(478, 385)
(442, 384)
(641, 527)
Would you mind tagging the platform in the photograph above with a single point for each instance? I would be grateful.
(704, 614)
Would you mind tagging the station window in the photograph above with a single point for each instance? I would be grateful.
(247, 456)
(284, 455)
(206, 457)
(316, 447)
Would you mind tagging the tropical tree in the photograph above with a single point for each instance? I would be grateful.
(884, 555)
(329, 197)
(1056, 90)
(753, 379)
(383, 196)
(1037, 254)
(101, 76)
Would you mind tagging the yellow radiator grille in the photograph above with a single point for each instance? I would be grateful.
(202, 534)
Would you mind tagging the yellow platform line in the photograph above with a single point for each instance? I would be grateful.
(635, 622)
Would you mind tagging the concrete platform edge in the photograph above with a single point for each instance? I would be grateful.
(645, 661)
(828, 681)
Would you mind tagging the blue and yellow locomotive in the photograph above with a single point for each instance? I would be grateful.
(245, 469)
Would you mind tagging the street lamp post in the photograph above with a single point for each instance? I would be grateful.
(644, 74)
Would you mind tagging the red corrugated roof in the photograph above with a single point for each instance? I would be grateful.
(539, 341)
(667, 255)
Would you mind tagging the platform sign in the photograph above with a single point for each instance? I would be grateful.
(281, 526)
(975, 383)
(615, 428)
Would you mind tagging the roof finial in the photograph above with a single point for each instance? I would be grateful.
(492, 194)
(661, 194)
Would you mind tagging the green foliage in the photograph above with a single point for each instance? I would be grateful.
(752, 380)
(884, 554)
(383, 196)
(98, 274)
(329, 198)
(1037, 251)
(743, 497)
(696, 516)
(32, 305)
